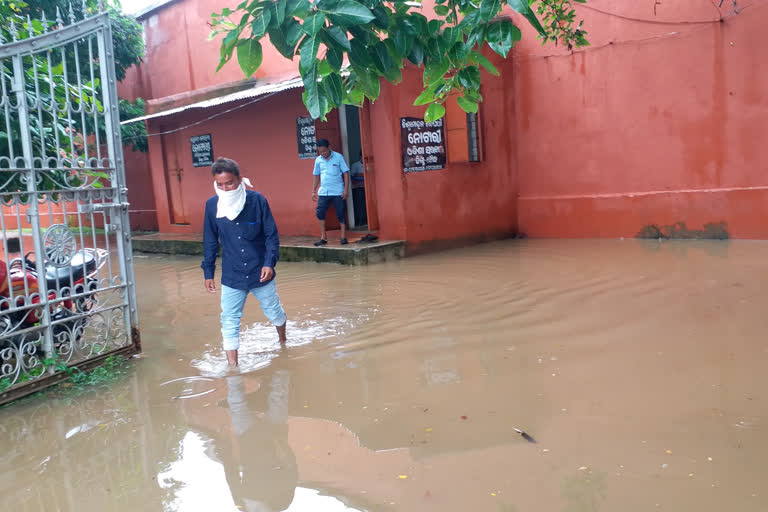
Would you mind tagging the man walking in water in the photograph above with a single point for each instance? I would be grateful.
(242, 222)
(331, 174)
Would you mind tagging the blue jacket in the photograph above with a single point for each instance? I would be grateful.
(248, 243)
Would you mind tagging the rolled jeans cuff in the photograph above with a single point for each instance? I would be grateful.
(231, 343)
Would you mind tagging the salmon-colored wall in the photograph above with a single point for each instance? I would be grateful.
(465, 201)
(143, 211)
(179, 57)
(261, 137)
(660, 122)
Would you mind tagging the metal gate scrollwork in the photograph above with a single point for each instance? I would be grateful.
(67, 294)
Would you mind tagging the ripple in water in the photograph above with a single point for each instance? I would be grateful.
(259, 344)
(189, 387)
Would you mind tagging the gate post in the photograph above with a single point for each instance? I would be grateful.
(32, 209)
(115, 147)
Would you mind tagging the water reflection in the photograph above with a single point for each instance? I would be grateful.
(638, 369)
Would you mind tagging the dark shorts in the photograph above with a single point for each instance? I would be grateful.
(324, 202)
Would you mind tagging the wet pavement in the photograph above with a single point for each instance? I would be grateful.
(638, 368)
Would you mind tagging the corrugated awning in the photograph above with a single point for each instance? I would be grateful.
(258, 90)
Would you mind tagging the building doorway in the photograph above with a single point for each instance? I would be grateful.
(174, 175)
(352, 148)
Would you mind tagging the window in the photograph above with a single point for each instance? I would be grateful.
(462, 133)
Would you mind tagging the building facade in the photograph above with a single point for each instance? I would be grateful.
(654, 130)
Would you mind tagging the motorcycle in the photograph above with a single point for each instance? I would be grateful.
(71, 292)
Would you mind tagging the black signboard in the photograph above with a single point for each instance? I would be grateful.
(423, 144)
(202, 150)
(305, 134)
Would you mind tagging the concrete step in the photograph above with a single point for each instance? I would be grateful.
(292, 248)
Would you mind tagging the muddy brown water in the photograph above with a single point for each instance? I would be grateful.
(638, 367)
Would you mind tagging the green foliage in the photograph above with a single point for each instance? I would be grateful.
(134, 134)
(113, 368)
(559, 18)
(77, 382)
(126, 31)
(46, 128)
(378, 37)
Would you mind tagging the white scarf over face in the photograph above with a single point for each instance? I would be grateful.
(231, 202)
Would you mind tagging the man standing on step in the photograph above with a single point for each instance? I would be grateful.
(331, 174)
(242, 222)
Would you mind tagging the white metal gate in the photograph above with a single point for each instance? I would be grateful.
(67, 293)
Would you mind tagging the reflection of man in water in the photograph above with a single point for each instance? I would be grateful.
(265, 475)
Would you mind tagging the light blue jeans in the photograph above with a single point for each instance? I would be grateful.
(232, 302)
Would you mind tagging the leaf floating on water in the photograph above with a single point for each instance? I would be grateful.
(583, 468)
(463, 417)
(402, 477)
(428, 430)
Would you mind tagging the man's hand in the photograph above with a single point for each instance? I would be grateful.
(267, 273)
(314, 196)
(344, 194)
(210, 285)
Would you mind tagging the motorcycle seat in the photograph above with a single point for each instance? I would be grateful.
(79, 259)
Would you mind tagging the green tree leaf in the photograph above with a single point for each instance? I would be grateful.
(524, 8)
(502, 36)
(385, 63)
(334, 88)
(311, 95)
(403, 41)
(467, 105)
(324, 68)
(369, 81)
(313, 23)
(434, 112)
(469, 77)
(442, 10)
(479, 58)
(355, 97)
(458, 53)
(489, 9)
(470, 21)
(430, 93)
(416, 54)
(339, 37)
(277, 38)
(292, 31)
(298, 8)
(249, 56)
(349, 12)
(435, 72)
(334, 58)
(308, 52)
(260, 24)
(449, 37)
(278, 11)
(359, 55)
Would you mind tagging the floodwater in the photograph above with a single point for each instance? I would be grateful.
(639, 368)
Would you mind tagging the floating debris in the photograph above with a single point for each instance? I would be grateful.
(525, 436)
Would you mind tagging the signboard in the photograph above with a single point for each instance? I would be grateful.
(305, 134)
(423, 144)
(202, 150)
